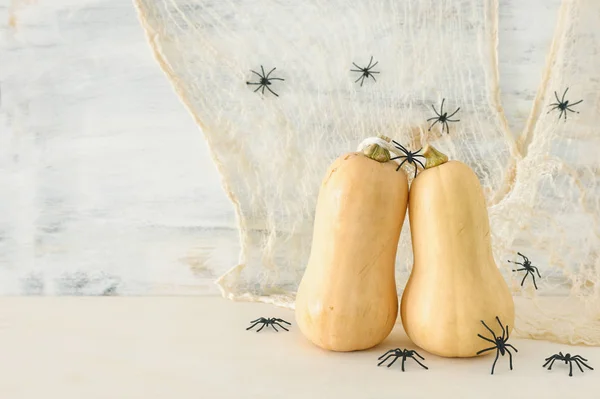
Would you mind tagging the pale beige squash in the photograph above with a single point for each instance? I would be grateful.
(455, 282)
(347, 299)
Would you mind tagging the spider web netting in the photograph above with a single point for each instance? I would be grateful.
(272, 152)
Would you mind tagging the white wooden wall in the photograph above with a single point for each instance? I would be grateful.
(106, 184)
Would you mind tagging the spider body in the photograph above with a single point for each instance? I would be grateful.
(268, 322)
(264, 81)
(563, 105)
(443, 118)
(365, 72)
(568, 359)
(499, 343)
(410, 157)
(529, 269)
(401, 353)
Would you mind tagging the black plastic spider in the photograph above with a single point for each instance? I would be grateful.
(265, 81)
(269, 322)
(529, 269)
(499, 343)
(365, 72)
(567, 359)
(410, 157)
(563, 105)
(400, 353)
(443, 117)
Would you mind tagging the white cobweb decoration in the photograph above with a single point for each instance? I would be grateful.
(272, 151)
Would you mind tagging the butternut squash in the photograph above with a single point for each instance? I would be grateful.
(347, 299)
(454, 283)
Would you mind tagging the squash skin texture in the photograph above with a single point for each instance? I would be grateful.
(347, 299)
(455, 282)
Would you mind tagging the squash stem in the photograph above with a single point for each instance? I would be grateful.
(377, 152)
(433, 157)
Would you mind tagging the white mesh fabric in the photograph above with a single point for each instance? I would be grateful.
(272, 151)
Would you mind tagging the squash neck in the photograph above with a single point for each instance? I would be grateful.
(377, 152)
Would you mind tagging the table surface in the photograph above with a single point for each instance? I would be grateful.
(197, 347)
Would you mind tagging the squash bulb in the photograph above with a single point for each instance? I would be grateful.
(454, 283)
(347, 299)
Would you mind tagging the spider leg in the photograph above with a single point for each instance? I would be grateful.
(270, 72)
(510, 346)
(371, 60)
(400, 146)
(518, 270)
(363, 79)
(435, 111)
(283, 321)
(257, 74)
(249, 328)
(578, 365)
(450, 116)
(400, 165)
(447, 127)
(273, 325)
(551, 110)
(557, 104)
(435, 117)
(258, 88)
(276, 79)
(580, 101)
(371, 75)
(357, 67)
(263, 72)
(453, 120)
(390, 351)
(551, 364)
(516, 263)
(398, 157)
(570, 369)
(268, 88)
(252, 83)
(525, 258)
(372, 72)
(358, 79)
(373, 66)
(524, 277)
(495, 360)
(548, 360)
(509, 358)
(420, 163)
(502, 327)
(487, 339)
(433, 124)
(422, 365)
(442, 107)
(578, 357)
(403, 360)
(533, 278)
(580, 361)
(259, 319)
(485, 350)
(415, 352)
(416, 170)
(490, 330)
(384, 360)
(569, 109)
(263, 89)
(393, 361)
(281, 326)
(564, 94)
(263, 326)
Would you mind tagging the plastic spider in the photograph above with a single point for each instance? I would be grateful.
(410, 157)
(365, 72)
(499, 343)
(269, 322)
(443, 117)
(567, 359)
(563, 105)
(529, 269)
(265, 81)
(400, 353)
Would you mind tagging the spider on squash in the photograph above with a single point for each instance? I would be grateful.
(499, 343)
(410, 157)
